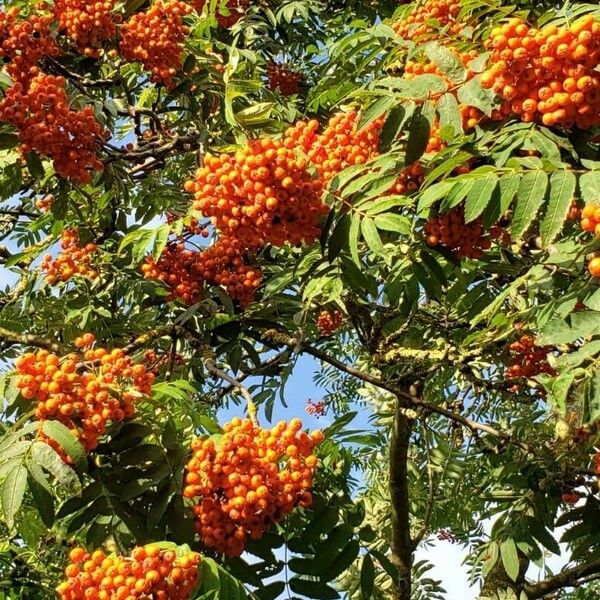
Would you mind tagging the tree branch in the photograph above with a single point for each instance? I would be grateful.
(401, 543)
(214, 370)
(568, 578)
(27, 339)
(277, 337)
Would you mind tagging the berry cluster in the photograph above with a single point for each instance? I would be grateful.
(464, 240)
(23, 43)
(223, 264)
(176, 267)
(316, 408)
(547, 75)
(248, 480)
(84, 397)
(570, 497)
(470, 116)
(235, 11)
(410, 179)
(73, 260)
(155, 39)
(282, 78)
(590, 221)
(44, 204)
(148, 572)
(445, 535)
(419, 24)
(263, 194)
(340, 145)
(328, 322)
(87, 23)
(46, 124)
(528, 359)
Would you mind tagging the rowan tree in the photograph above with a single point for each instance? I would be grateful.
(198, 197)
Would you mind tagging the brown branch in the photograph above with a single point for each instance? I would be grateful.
(255, 372)
(568, 578)
(214, 370)
(27, 339)
(79, 79)
(277, 337)
(401, 543)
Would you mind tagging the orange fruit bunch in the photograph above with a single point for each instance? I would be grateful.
(263, 194)
(547, 75)
(87, 23)
(528, 359)
(249, 479)
(72, 260)
(44, 204)
(177, 268)
(47, 125)
(590, 221)
(328, 322)
(410, 179)
(316, 408)
(23, 43)
(155, 39)
(84, 397)
(235, 9)
(281, 77)
(464, 240)
(148, 572)
(420, 23)
(339, 146)
(223, 264)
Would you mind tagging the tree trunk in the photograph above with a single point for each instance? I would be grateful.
(402, 553)
(497, 580)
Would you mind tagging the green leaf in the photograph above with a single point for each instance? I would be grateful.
(566, 331)
(375, 110)
(342, 561)
(391, 222)
(312, 589)
(508, 185)
(542, 535)
(589, 184)
(41, 493)
(391, 127)
(510, 558)
(591, 399)
(34, 164)
(56, 431)
(418, 138)
(530, 196)
(472, 94)
(339, 237)
(449, 113)
(47, 458)
(367, 577)
(479, 196)
(562, 188)
(371, 235)
(353, 235)
(11, 493)
(446, 61)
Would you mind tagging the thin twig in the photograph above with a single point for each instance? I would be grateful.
(214, 370)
